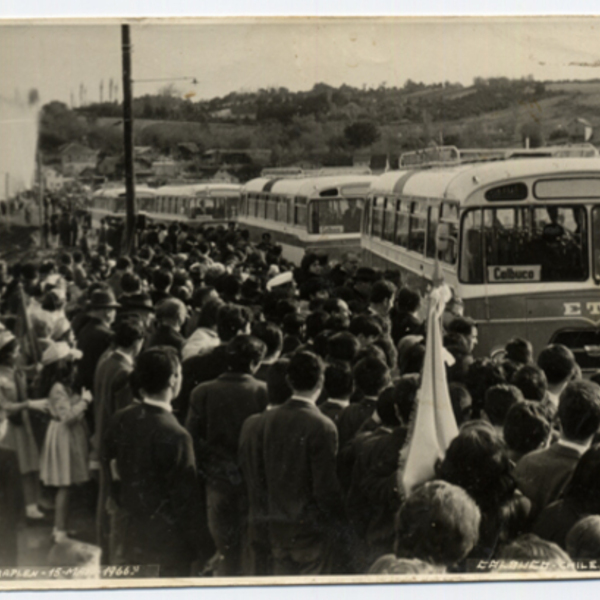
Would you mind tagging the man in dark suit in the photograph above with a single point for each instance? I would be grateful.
(112, 393)
(217, 412)
(231, 321)
(154, 479)
(373, 498)
(94, 339)
(306, 511)
(256, 558)
(543, 475)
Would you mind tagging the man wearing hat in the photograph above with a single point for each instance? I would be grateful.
(95, 338)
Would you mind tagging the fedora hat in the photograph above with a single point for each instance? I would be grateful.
(137, 302)
(102, 299)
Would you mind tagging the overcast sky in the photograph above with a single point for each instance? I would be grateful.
(237, 55)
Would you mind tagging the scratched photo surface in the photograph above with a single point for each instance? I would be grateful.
(299, 300)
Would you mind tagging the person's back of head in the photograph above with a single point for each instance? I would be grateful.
(231, 320)
(583, 539)
(579, 410)
(209, 313)
(271, 335)
(519, 350)
(477, 461)
(124, 263)
(498, 401)
(229, 287)
(278, 388)
(338, 380)
(366, 327)
(558, 363)
(171, 309)
(383, 291)
(306, 372)
(162, 280)
(128, 331)
(155, 370)
(371, 376)
(408, 300)
(438, 523)
(293, 324)
(131, 283)
(482, 375)
(411, 360)
(531, 380)
(244, 353)
(343, 346)
(526, 427)
(530, 547)
(315, 323)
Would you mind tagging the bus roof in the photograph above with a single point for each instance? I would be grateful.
(308, 186)
(116, 192)
(194, 189)
(460, 182)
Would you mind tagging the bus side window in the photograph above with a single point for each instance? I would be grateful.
(402, 224)
(471, 267)
(449, 215)
(367, 216)
(389, 222)
(418, 224)
(377, 216)
(432, 223)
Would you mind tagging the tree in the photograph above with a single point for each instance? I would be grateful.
(59, 125)
(361, 134)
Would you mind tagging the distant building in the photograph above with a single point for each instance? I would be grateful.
(53, 180)
(165, 168)
(76, 157)
(580, 130)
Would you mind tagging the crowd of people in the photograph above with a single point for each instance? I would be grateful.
(240, 415)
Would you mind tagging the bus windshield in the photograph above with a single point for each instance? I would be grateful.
(524, 244)
(596, 241)
(335, 215)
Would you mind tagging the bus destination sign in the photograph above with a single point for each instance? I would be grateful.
(514, 274)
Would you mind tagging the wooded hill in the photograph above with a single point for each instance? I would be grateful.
(326, 123)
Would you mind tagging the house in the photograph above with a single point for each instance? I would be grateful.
(188, 150)
(165, 168)
(253, 156)
(580, 130)
(53, 180)
(76, 157)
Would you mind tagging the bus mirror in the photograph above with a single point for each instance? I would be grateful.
(442, 237)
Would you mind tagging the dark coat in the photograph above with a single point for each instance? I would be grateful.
(93, 340)
(352, 417)
(217, 412)
(197, 370)
(158, 488)
(165, 335)
(543, 475)
(12, 506)
(374, 499)
(250, 458)
(299, 454)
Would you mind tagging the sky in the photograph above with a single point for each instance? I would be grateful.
(226, 55)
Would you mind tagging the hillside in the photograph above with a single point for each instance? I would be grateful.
(320, 124)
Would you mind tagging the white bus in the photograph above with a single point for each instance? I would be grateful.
(517, 239)
(198, 203)
(317, 211)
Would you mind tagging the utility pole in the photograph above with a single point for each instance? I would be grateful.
(128, 140)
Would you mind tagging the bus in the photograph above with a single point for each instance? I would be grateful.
(517, 239)
(110, 203)
(317, 211)
(195, 204)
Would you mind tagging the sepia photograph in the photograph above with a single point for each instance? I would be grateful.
(299, 301)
